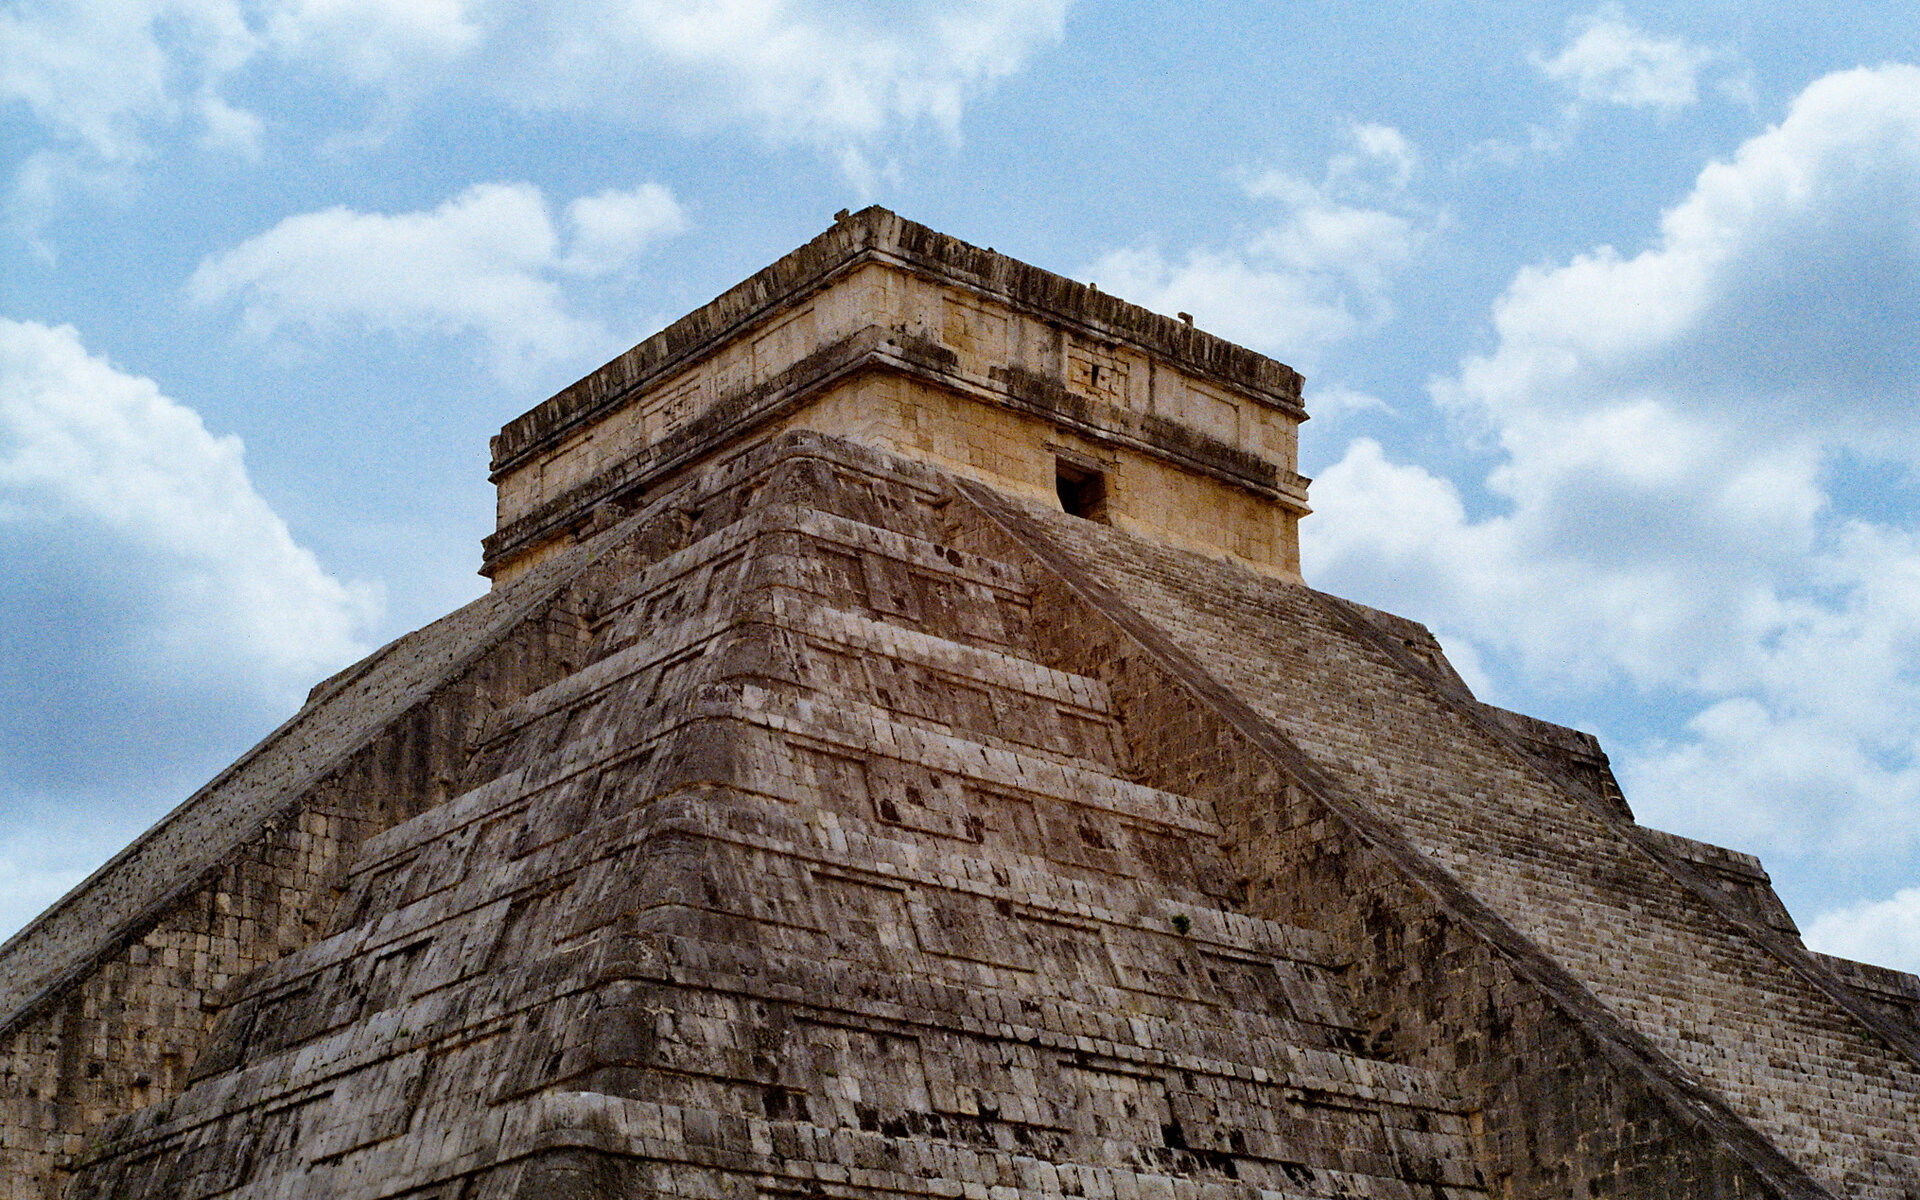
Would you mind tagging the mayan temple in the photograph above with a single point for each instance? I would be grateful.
(899, 757)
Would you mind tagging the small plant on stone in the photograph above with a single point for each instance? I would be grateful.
(1182, 923)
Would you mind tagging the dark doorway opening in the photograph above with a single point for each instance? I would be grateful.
(1083, 491)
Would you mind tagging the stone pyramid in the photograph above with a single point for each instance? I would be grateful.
(899, 757)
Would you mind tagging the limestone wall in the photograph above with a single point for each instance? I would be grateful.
(810, 880)
(1017, 358)
(1018, 452)
(987, 338)
(1624, 935)
(846, 828)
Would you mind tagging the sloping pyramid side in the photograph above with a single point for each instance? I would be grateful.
(891, 839)
(811, 880)
(103, 997)
(1710, 1000)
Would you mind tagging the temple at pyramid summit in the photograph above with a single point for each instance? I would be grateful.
(899, 757)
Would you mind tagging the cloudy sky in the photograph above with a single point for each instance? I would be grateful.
(1609, 317)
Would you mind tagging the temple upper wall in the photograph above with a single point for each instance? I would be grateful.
(887, 333)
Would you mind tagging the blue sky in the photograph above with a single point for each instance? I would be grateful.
(1608, 316)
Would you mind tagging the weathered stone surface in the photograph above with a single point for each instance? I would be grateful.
(818, 809)
(810, 870)
(1746, 1034)
(899, 337)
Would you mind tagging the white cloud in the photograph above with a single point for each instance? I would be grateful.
(1882, 931)
(1235, 295)
(108, 78)
(487, 262)
(227, 128)
(98, 72)
(223, 586)
(103, 78)
(392, 45)
(1612, 61)
(1672, 432)
(837, 75)
(1380, 155)
(1790, 271)
(33, 874)
(1318, 272)
(1335, 401)
(160, 613)
(108, 81)
(610, 228)
(1608, 60)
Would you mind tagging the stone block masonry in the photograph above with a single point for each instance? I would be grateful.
(888, 333)
(809, 875)
(899, 758)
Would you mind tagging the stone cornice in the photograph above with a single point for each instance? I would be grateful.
(742, 413)
(875, 235)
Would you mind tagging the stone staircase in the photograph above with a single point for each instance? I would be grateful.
(810, 879)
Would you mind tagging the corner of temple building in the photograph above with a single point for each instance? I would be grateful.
(889, 334)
